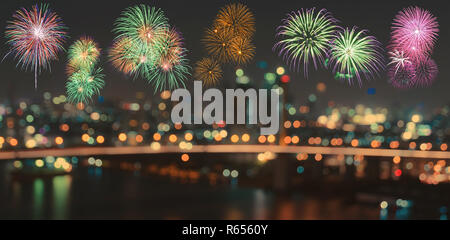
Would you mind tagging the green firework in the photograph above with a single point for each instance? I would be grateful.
(132, 59)
(172, 67)
(305, 37)
(142, 24)
(139, 32)
(166, 76)
(83, 54)
(145, 60)
(84, 84)
(355, 54)
(146, 47)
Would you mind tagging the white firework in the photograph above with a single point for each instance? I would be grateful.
(399, 59)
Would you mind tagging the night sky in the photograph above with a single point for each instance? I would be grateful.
(95, 18)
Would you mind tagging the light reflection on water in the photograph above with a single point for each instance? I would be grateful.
(61, 191)
(38, 199)
(96, 193)
(63, 197)
(260, 203)
(58, 187)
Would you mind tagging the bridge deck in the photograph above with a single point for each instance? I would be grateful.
(130, 150)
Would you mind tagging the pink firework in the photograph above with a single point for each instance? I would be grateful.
(415, 30)
(35, 37)
(402, 76)
(425, 72)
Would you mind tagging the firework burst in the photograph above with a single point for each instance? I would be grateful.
(170, 47)
(356, 54)
(139, 30)
(304, 38)
(241, 50)
(83, 54)
(425, 72)
(415, 30)
(399, 59)
(35, 37)
(208, 71)
(146, 46)
(237, 18)
(172, 68)
(119, 56)
(218, 44)
(402, 76)
(82, 85)
(131, 59)
(84, 79)
(141, 24)
(166, 75)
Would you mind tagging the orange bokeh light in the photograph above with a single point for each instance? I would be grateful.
(185, 157)
(122, 137)
(59, 140)
(100, 139)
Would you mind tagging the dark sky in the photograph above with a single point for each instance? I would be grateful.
(95, 18)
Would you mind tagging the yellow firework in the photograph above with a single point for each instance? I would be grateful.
(238, 18)
(209, 71)
(217, 43)
(241, 50)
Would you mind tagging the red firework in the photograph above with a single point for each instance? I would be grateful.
(425, 72)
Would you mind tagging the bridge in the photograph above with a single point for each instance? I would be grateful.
(230, 149)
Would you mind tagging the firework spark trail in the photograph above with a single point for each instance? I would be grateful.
(305, 37)
(35, 37)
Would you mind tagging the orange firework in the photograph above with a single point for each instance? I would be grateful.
(238, 18)
(217, 43)
(241, 50)
(119, 55)
(71, 69)
(209, 71)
